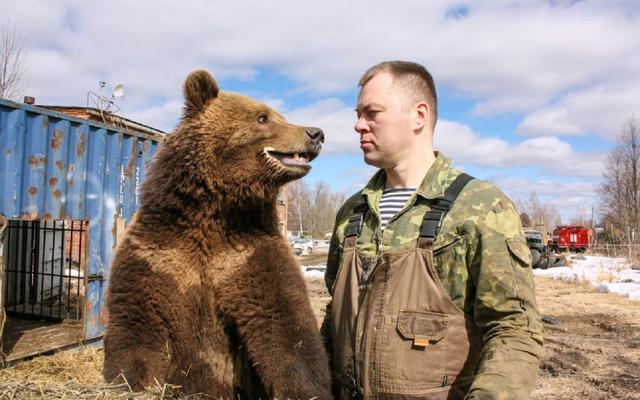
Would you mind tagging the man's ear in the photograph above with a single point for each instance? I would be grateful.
(422, 115)
(199, 88)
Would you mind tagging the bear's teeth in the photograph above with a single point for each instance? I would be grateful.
(296, 156)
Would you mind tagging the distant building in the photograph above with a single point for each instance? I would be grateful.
(283, 209)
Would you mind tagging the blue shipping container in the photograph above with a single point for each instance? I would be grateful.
(54, 166)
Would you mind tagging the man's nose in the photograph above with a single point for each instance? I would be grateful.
(315, 135)
(361, 125)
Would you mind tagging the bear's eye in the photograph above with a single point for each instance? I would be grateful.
(263, 118)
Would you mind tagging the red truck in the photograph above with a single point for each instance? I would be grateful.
(571, 238)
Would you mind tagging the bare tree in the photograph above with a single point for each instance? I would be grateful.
(312, 210)
(620, 191)
(582, 217)
(524, 218)
(297, 202)
(12, 66)
(538, 215)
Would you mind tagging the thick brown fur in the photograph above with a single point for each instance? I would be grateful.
(204, 291)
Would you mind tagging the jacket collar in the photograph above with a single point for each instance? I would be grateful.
(433, 185)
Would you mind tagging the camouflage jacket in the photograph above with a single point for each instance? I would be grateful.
(483, 262)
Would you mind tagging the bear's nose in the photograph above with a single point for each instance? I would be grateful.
(315, 135)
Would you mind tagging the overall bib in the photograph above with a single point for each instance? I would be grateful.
(396, 332)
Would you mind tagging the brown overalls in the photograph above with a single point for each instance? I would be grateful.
(396, 332)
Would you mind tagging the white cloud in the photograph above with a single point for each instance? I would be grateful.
(336, 120)
(358, 178)
(547, 188)
(507, 56)
(518, 56)
(569, 68)
(275, 103)
(165, 116)
(546, 154)
(602, 109)
(567, 197)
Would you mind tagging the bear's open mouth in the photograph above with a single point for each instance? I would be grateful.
(292, 159)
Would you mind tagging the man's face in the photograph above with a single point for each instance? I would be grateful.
(383, 123)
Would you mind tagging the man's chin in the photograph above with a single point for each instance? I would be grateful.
(374, 161)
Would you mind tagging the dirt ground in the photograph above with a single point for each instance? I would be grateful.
(592, 340)
(592, 351)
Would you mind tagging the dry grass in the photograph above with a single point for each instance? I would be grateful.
(593, 353)
(74, 375)
(77, 367)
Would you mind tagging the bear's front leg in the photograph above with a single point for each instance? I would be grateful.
(267, 301)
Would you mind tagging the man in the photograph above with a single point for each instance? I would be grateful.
(429, 271)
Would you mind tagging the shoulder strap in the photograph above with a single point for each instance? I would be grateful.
(432, 220)
(356, 219)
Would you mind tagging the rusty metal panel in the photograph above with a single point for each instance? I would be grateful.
(11, 130)
(127, 175)
(54, 166)
(55, 187)
(76, 171)
(94, 300)
(34, 175)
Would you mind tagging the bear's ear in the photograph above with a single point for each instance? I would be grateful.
(199, 88)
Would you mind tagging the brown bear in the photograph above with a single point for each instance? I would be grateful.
(204, 291)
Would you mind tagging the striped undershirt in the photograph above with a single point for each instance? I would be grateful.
(391, 202)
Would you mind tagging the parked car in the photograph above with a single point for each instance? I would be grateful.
(320, 244)
(303, 246)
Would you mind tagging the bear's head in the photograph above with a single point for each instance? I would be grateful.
(243, 140)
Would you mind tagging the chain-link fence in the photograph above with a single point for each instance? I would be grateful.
(630, 251)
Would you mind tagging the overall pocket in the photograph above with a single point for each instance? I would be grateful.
(414, 349)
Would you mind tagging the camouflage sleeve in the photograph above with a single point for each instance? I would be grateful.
(505, 308)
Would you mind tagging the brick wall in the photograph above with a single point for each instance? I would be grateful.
(75, 242)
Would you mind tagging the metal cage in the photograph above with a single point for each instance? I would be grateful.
(45, 269)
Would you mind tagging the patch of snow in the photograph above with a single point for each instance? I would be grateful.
(314, 270)
(606, 274)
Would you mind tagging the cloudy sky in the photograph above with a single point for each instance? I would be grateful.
(532, 93)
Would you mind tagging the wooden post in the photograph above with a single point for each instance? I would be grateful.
(120, 227)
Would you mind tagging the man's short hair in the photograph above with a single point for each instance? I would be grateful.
(412, 77)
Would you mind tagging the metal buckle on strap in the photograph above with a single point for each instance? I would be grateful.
(356, 220)
(431, 224)
(354, 225)
(441, 204)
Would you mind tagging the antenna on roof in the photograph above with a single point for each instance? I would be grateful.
(117, 92)
(103, 103)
